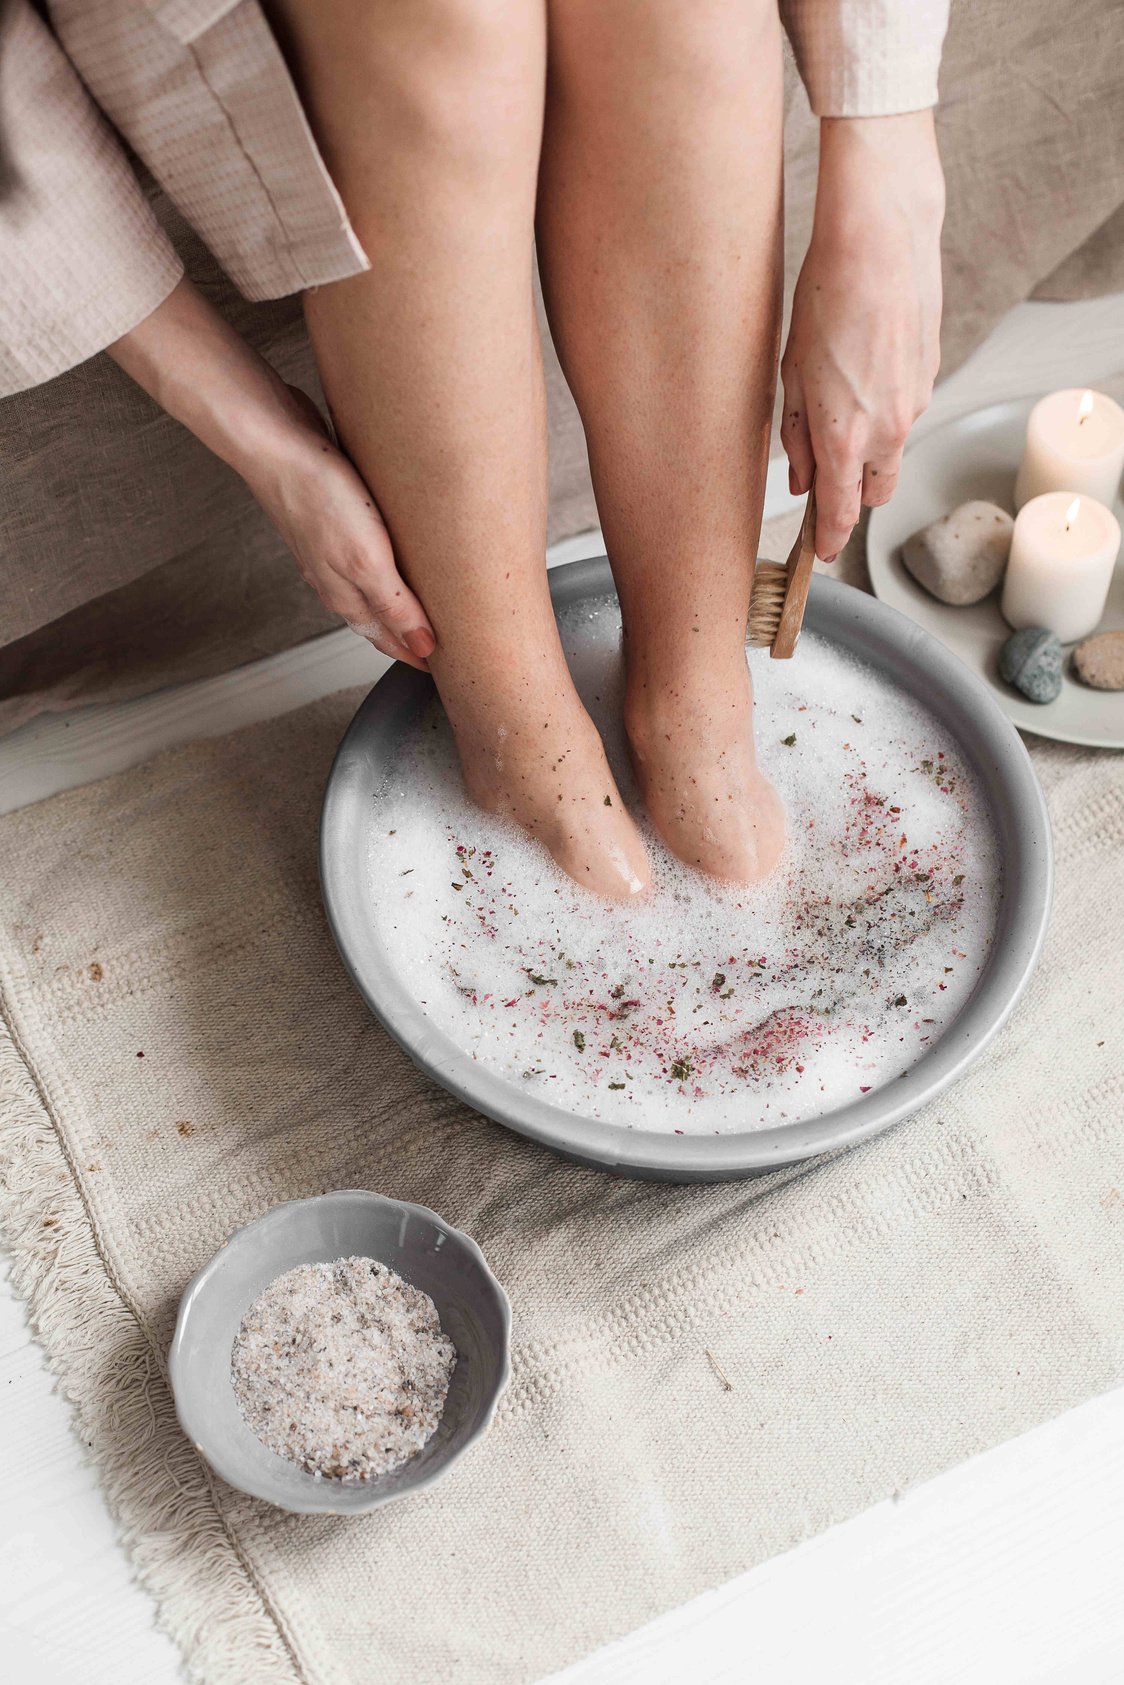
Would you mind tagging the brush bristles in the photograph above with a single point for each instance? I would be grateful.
(770, 584)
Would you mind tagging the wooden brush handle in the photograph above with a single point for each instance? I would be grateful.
(799, 565)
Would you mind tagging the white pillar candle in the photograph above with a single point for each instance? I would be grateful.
(1074, 443)
(1063, 550)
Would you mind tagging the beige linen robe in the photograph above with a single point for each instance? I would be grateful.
(201, 93)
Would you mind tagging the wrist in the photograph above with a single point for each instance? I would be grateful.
(278, 444)
(269, 432)
(872, 165)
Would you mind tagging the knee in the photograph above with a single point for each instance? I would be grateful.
(455, 82)
(474, 83)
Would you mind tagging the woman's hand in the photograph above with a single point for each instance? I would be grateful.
(864, 341)
(191, 361)
(328, 519)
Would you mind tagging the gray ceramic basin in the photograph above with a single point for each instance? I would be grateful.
(423, 1249)
(872, 632)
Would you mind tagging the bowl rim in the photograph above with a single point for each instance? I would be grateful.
(685, 1158)
(227, 1467)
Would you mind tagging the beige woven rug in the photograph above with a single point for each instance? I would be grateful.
(182, 1049)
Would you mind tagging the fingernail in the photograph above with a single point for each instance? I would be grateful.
(420, 642)
(829, 559)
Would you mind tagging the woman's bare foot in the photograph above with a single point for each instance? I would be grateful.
(691, 738)
(530, 753)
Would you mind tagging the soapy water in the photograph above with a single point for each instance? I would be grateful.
(704, 1008)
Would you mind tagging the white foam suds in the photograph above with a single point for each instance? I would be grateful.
(705, 1009)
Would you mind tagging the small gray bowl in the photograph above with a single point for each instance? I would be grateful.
(423, 1249)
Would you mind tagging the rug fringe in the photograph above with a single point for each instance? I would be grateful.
(156, 1486)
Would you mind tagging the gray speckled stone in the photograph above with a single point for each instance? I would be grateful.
(1099, 661)
(960, 557)
(1031, 660)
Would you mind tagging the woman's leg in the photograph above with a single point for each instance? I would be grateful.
(429, 113)
(660, 244)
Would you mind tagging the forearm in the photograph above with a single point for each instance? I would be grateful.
(198, 369)
(201, 372)
(881, 166)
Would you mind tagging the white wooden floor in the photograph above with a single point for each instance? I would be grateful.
(1005, 1571)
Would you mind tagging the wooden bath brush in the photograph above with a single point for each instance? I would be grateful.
(776, 607)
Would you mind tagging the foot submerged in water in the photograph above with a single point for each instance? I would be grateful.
(546, 771)
(691, 739)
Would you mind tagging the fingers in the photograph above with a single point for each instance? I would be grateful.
(375, 600)
(795, 436)
(830, 445)
(392, 606)
(882, 460)
(850, 474)
(356, 575)
(390, 603)
(858, 463)
(402, 634)
(345, 599)
(880, 479)
(384, 612)
(377, 634)
(838, 500)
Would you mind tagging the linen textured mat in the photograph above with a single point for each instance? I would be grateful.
(183, 1049)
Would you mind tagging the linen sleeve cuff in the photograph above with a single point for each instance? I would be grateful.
(867, 58)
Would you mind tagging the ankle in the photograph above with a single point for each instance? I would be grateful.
(489, 692)
(688, 696)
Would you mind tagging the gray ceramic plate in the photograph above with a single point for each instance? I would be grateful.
(435, 1257)
(978, 456)
(873, 633)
